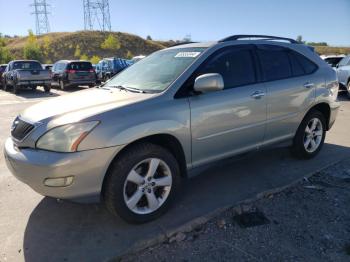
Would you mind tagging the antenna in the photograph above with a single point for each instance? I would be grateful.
(41, 16)
(96, 14)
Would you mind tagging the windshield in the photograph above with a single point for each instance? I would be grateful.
(80, 66)
(333, 61)
(157, 71)
(28, 65)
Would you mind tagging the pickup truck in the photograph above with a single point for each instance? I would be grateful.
(26, 73)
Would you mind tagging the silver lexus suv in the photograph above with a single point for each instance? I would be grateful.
(132, 141)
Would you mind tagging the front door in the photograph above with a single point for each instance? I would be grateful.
(230, 121)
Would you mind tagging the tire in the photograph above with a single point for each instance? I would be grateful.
(62, 86)
(15, 89)
(308, 143)
(34, 88)
(4, 85)
(47, 89)
(118, 189)
(348, 89)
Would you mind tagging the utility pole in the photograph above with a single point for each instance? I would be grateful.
(96, 15)
(41, 16)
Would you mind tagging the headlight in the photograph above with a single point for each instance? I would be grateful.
(65, 138)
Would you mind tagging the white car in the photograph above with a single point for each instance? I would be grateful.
(333, 60)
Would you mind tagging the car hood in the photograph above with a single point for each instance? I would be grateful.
(79, 105)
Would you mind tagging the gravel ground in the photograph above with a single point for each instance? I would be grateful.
(306, 222)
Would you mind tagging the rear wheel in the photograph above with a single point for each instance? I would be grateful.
(310, 136)
(47, 88)
(62, 86)
(348, 89)
(142, 183)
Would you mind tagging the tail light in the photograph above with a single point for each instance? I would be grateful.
(92, 70)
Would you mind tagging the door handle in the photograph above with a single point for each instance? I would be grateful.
(309, 85)
(257, 94)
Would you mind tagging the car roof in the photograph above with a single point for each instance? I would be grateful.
(72, 61)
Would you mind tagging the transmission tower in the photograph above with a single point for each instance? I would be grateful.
(41, 16)
(96, 14)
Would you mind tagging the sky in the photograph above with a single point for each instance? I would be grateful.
(205, 20)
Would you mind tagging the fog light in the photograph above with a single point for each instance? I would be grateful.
(58, 182)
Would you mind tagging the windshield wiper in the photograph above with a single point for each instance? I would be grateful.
(132, 89)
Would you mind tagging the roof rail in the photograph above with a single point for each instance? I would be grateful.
(264, 37)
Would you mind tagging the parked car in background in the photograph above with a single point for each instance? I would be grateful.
(2, 70)
(68, 73)
(47, 67)
(25, 73)
(109, 67)
(343, 72)
(132, 141)
(137, 58)
(333, 60)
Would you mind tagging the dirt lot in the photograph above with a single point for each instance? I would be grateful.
(306, 222)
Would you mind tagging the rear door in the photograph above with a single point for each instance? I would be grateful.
(343, 70)
(230, 121)
(291, 80)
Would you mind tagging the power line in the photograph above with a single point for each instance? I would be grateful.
(96, 15)
(41, 16)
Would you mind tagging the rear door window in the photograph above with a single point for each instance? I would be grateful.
(274, 62)
(27, 65)
(80, 66)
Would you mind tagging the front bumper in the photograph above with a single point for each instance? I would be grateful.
(88, 168)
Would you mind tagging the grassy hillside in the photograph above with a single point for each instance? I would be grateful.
(87, 44)
(56, 46)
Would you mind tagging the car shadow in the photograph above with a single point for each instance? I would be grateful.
(33, 94)
(65, 231)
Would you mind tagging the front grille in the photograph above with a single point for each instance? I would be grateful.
(20, 129)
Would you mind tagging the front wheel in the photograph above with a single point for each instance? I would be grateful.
(15, 89)
(310, 136)
(348, 89)
(47, 88)
(142, 183)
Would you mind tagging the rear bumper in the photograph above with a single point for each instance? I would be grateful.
(80, 82)
(333, 114)
(33, 82)
(88, 169)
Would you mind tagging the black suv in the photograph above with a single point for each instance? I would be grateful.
(67, 73)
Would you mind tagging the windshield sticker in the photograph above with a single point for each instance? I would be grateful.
(187, 54)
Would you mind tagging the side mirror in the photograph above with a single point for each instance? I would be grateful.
(209, 83)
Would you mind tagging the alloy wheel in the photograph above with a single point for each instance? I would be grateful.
(313, 135)
(147, 186)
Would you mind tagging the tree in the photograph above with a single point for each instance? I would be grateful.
(95, 59)
(5, 55)
(111, 43)
(84, 57)
(77, 52)
(300, 39)
(46, 48)
(129, 55)
(32, 49)
(149, 37)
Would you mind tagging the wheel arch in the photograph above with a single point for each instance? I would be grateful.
(325, 109)
(166, 141)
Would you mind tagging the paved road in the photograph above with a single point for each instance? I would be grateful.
(36, 228)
